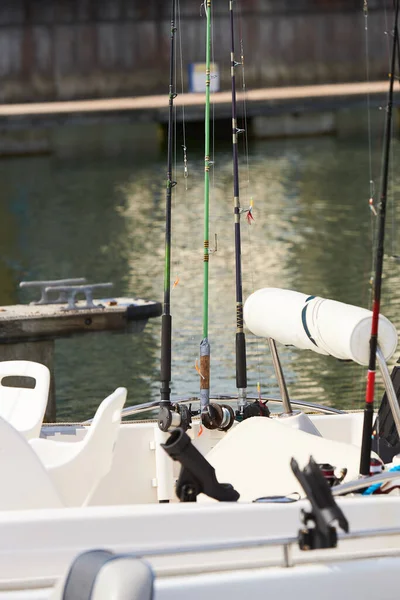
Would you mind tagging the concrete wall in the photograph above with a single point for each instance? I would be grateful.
(68, 49)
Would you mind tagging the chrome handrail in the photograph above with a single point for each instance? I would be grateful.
(286, 542)
(146, 406)
(287, 407)
(364, 482)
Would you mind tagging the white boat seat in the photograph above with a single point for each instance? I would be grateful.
(24, 407)
(25, 483)
(76, 468)
(255, 457)
(101, 575)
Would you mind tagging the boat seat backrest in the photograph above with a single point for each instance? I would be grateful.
(101, 574)
(103, 431)
(255, 457)
(25, 483)
(24, 407)
(77, 468)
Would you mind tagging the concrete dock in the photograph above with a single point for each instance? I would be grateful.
(29, 332)
(259, 102)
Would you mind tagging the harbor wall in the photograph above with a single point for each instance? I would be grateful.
(71, 49)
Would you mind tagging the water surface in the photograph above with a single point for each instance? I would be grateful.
(95, 208)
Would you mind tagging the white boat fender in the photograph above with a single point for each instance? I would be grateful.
(101, 575)
(310, 322)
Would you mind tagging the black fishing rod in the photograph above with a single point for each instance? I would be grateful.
(166, 319)
(241, 369)
(377, 283)
(170, 415)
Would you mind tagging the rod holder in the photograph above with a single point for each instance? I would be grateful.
(197, 475)
(324, 510)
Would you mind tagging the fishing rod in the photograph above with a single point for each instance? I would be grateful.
(213, 415)
(205, 344)
(245, 409)
(170, 415)
(377, 282)
(241, 369)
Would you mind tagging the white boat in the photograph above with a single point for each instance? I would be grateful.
(111, 486)
(91, 511)
(214, 548)
(205, 547)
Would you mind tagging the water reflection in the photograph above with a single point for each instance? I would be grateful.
(98, 211)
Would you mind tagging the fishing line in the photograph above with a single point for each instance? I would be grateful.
(367, 62)
(184, 146)
(382, 158)
(388, 34)
(394, 252)
(176, 260)
(245, 136)
(394, 224)
(391, 298)
(212, 109)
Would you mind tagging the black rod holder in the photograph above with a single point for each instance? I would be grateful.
(197, 475)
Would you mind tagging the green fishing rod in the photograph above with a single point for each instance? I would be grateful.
(205, 344)
(213, 415)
